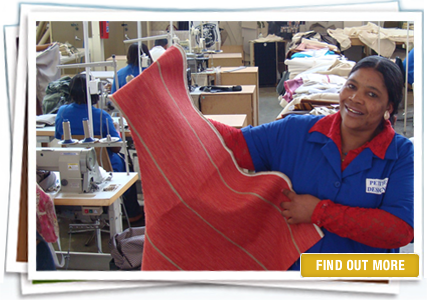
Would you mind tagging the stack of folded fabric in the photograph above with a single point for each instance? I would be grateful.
(67, 49)
(63, 48)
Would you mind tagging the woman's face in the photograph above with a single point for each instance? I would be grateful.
(364, 100)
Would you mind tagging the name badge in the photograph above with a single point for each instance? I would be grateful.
(376, 186)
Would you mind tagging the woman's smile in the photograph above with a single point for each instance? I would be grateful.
(352, 110)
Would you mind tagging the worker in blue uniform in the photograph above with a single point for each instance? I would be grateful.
(132, 68)
(351, 173)
(102, 125)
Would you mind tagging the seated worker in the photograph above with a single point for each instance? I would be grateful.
(74, 113)
(352, 174)
(132, 69)
(159, 48)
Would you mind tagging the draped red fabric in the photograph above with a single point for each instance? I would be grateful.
(202, 211)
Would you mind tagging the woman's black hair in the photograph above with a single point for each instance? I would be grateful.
(161, 42)
(78, 92)
(132, 55)
(393, 77)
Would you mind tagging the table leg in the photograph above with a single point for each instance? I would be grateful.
(115, 217)
(98, 238)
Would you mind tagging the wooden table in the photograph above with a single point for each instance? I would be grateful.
(239, 76)
(45, 134)
(222, 103)
(225, 60)
(122, 181)
(100, 198)
(242, 76)
(98, 261)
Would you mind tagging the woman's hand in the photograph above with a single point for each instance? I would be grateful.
(300, 208)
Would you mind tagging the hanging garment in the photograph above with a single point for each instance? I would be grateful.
(202, 211)
(47, 71)
(47, 223)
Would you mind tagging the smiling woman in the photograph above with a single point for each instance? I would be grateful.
(352, 174)
(365, 102)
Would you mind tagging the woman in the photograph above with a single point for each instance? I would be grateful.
(132, 68)
(159, 48)
(352, 175)
(75, 113)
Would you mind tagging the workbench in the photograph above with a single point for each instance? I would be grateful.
(224, 60)
(236, 102)
(122, 182)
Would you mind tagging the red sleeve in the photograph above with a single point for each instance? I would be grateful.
(235, 140)
(370, 226)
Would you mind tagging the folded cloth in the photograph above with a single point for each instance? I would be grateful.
(47, 119)
(202, 211)
(290, 87)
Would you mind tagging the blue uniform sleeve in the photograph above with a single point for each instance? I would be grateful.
(113, 87)
(58, 124)
(268, 142)
(399, 196)
(261, 146)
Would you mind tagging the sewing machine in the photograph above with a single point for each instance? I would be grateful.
(78, 167)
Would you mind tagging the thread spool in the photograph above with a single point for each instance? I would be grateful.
(88, 138)
(67, 133)
(217, 46)
(144, 62)
(109, 139)
(86, 128)
(202, 44)
(67, 130)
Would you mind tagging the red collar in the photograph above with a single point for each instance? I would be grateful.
(331, 127)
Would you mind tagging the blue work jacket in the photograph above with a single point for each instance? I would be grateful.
(75, 113)
(312, 161)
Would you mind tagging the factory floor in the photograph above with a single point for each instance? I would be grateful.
(269, 109)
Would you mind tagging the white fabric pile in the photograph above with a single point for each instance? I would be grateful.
(385, 44)
(328, 64)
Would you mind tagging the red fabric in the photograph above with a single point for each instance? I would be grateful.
(372, 227)
(331, 127)
(235, 140)
(202, 211)
(47, 223)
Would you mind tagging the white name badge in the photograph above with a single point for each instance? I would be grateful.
(376, 186)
